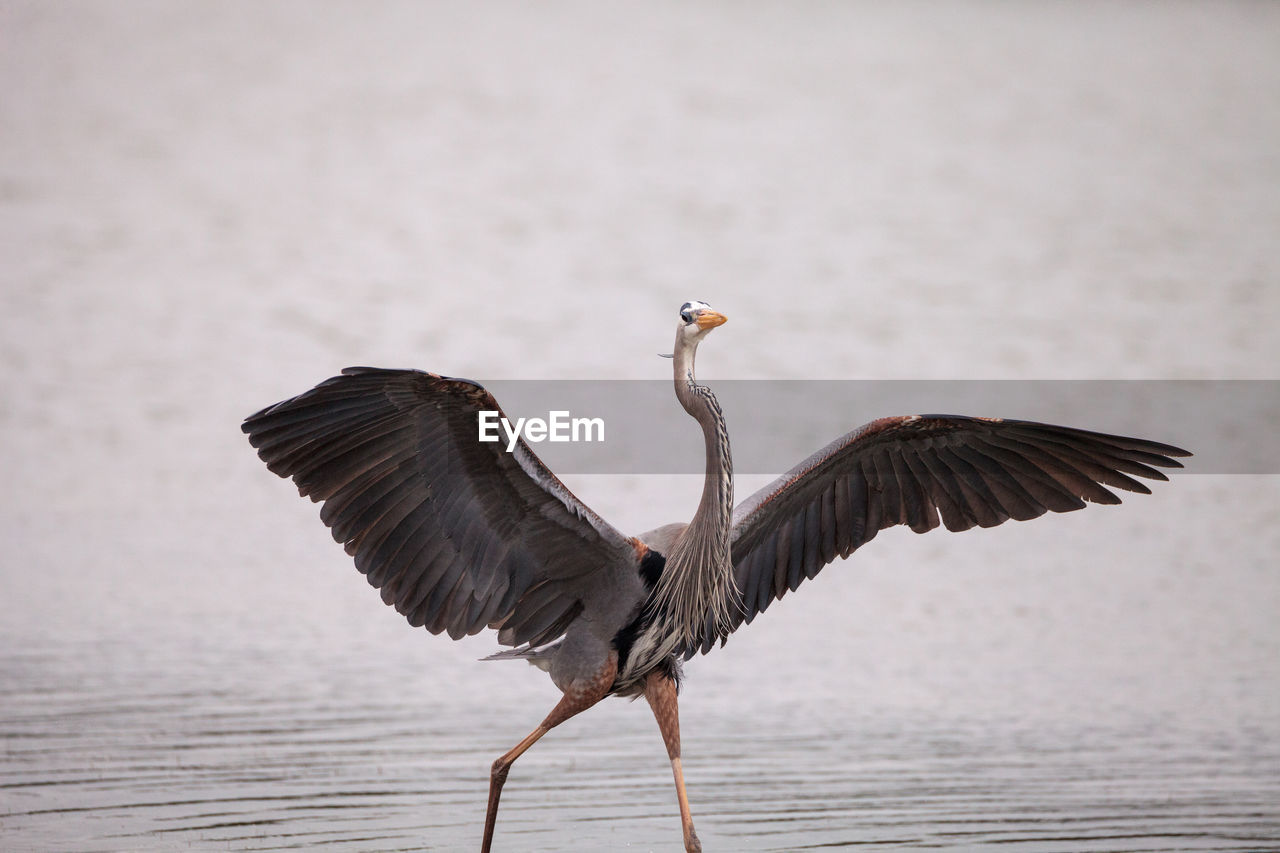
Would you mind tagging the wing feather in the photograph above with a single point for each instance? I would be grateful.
(923, 471)
(454, 532)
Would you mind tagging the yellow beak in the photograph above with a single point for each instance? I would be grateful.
(711, 319)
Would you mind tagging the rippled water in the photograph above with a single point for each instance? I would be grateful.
(205, 208)
(983, 691)
(110, 755)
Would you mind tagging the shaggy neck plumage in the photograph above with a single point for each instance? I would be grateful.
(697, 588)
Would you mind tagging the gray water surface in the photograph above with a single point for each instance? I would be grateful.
(205, 208)
(1101, 683)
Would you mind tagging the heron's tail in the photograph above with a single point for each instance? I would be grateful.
(539, 656)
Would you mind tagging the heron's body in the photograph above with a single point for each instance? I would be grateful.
(460, 535)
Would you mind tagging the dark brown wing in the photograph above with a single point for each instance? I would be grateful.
(922, 470)
(457, 533)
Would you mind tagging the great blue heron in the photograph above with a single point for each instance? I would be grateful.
(462, 535)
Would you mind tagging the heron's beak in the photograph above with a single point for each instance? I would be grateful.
(711, 319)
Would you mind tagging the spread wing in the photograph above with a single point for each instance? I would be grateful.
(458, 534)
(922, 471)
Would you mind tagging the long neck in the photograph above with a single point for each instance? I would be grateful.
(710, 523)
(699, 581)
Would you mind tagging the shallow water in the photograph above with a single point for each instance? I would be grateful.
(233, 769)
(981, 691)
(206, 208)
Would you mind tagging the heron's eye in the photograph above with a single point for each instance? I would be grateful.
(686, 316)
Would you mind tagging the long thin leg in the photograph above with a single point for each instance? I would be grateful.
(578, 698)
(661, 693)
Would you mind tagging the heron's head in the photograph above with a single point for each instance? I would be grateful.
(696, 320)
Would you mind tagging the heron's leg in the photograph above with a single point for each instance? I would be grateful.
(660, 690)
(580, 696)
